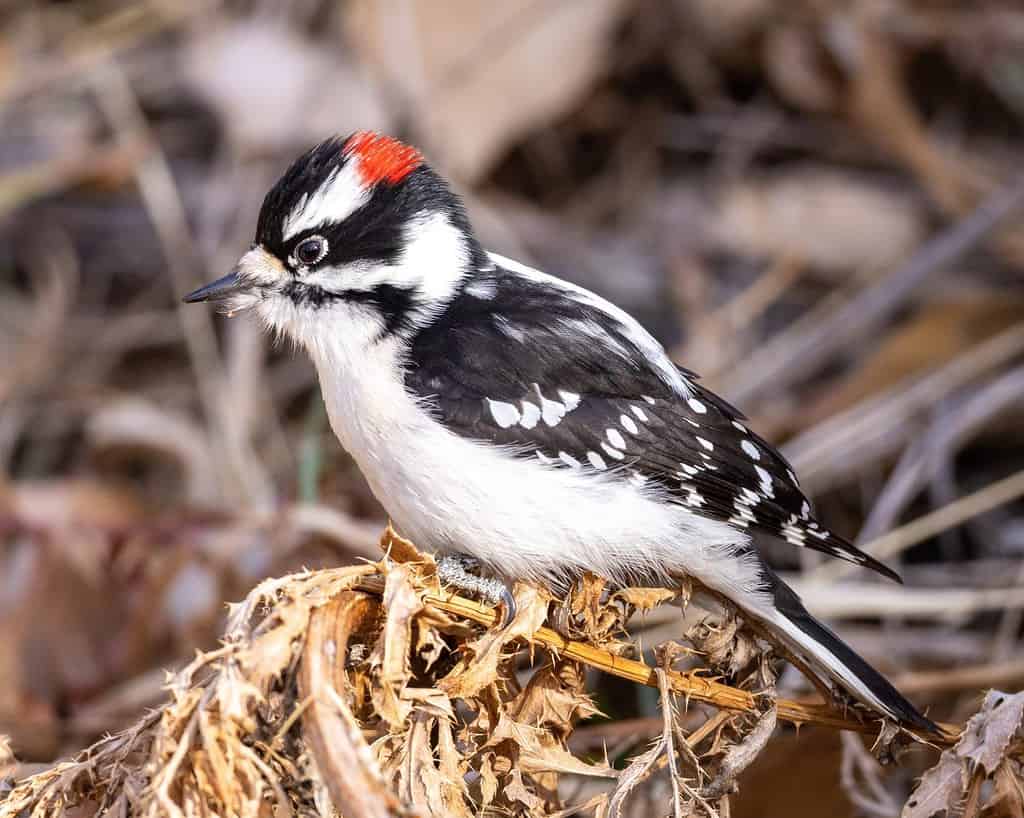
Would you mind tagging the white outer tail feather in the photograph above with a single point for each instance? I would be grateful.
(820, 656)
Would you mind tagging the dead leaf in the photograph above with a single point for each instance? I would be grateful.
(549, 703)
(643, 600)
(479, 664)
(517, 792)
(819, 216)
(988, 732)
(391, 655)
(431, 701)
(983, 744)
(398, 549)
(309, 90)
(539, 751)
(482, 76)
(489, 783)
(1007, 799)
(419, 782)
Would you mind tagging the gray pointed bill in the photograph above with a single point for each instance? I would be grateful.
(255, 271)
(217, 290)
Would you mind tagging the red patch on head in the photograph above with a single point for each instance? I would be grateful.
(382, 158)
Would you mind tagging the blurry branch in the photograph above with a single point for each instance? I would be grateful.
(795, 355)
(359, 537)
(1007, 674)
(88, 46)
(159, 192)
(928, 525)
(948, 434)
(878, 103)
(35, 344)
(880, 425)
(105, 165)
(742, 311)
(851, 599)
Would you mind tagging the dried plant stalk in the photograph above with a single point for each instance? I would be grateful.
(344, 761)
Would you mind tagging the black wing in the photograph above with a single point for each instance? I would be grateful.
(552, 375)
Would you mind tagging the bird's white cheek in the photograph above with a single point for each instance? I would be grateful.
(282, 316)
(347, 329)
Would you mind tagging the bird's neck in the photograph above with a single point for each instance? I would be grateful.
(361, 380)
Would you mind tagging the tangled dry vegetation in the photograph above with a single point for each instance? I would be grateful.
(371, 691)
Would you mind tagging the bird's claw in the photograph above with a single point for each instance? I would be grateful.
(455, 570)
(508, 604)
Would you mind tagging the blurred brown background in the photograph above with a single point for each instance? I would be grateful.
(817, 205)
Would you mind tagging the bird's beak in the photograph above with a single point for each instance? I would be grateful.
(218, 290)
(255, 271)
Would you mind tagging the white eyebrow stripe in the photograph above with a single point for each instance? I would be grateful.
(334, 201)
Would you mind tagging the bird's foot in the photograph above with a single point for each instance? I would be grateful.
(458, 571)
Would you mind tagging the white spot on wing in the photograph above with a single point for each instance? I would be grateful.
(766, 481)
(551, 411)
(629, 424)
(569, 460)
(640, 413)
(611, 451)
(648, 398)
(570, 399)
(531, 414)
(596, 460)
(615, 438)
(740, 426)
(751, 450)
(793, 533)
(744, 503)
(707, 444)
(694, 499)
(697, 406)
(504, 414)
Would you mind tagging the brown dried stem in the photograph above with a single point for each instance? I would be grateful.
(343, 759)
(690, 685)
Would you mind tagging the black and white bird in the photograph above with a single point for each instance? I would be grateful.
(503, 413)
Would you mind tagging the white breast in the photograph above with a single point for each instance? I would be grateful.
(519, 517)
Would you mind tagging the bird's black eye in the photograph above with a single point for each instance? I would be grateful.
(310, 251)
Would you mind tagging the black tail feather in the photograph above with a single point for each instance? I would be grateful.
(789, 605)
